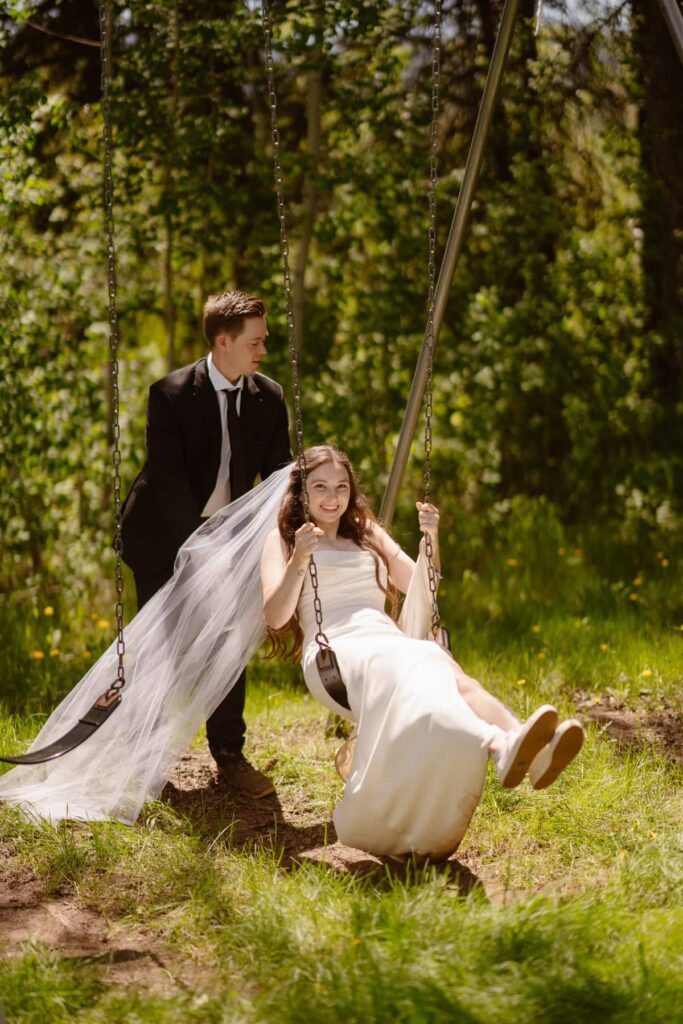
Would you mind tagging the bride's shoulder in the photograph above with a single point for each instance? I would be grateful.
(274, 544)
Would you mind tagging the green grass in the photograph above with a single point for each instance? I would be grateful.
(577, 915)
(305, 945)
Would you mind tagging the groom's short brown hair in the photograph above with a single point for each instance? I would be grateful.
(225, 313)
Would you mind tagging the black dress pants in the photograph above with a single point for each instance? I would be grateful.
(225, 727)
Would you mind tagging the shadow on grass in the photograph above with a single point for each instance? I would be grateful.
(220, 815)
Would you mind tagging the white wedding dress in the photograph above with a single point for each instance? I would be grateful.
(420, 758)
(419, 762)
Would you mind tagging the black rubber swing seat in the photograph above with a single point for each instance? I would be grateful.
(331, 677)
(79, 733)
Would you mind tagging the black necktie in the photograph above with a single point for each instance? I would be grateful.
(238, 471)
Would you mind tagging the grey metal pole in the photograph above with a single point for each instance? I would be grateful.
(451, 254)
(674, 19)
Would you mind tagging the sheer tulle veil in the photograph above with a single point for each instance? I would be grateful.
(184, 651)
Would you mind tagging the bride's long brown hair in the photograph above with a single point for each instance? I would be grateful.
(355, 524)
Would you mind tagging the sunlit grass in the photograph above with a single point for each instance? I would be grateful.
(578, 916)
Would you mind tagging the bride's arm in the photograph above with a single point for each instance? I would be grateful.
(283, 578)
(401, 566)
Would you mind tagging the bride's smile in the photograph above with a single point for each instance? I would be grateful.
(329, 491)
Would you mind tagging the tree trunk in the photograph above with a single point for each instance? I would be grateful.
(498, 149)
(169, 304)
(310, 190)
(169, 197)
(106, 497)
(660, 130)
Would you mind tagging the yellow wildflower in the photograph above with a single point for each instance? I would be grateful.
(665, 562)
(604, 647)
(660, 554)
(646, 673)
(541, 655)
(511, 562)
(54, 652)
(535, 629)
(633, 597)
(562, 552)
(638, 580)
(49, 610)
(102, 624)
(37, 655)
(652, 835)
(622, 854)
(94, 616)
(521, 682)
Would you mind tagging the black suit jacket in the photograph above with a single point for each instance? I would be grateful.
(183, 454)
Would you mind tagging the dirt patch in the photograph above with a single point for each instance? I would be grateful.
(288, 826)
(344, 860)
(19, 886)
(126, 956)
(223, 815)
(659, 726)
(57, 924)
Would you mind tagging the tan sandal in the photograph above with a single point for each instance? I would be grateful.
(344, 757)
(556, 755)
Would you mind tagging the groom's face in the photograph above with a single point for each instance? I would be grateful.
(241, 353)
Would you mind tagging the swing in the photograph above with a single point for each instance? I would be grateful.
(108, 701)
(326, 659)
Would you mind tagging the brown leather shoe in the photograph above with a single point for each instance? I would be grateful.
(235, 770)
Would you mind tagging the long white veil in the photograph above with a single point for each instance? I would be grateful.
(184, 651)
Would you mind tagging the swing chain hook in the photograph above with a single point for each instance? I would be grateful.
(320, 637)
(431, 280)
(106, 78)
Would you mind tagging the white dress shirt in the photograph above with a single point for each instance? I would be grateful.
(220, 495)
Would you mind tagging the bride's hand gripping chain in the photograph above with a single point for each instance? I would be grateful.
(283, 578)
(305, 543)
(428, 520)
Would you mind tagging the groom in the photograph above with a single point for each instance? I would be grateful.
(212, 428)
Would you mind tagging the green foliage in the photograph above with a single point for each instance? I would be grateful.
(546, 375)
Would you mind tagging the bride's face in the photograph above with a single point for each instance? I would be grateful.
(329, 491)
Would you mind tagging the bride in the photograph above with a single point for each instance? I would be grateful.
(424, 729)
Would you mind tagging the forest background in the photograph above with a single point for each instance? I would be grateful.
(558, 374)
(558, 466)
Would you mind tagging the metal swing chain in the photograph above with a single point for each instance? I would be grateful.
(106, 76)
(320, 636)
(284, 247)
(433, 178)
